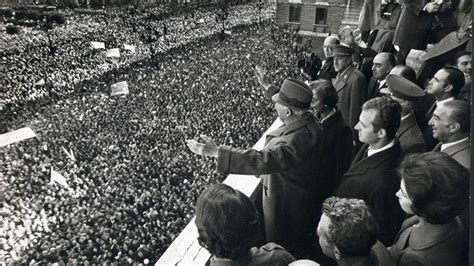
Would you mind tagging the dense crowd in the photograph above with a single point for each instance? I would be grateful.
(133, 183)
(61, 58)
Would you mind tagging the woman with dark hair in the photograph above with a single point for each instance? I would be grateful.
(228, 225)
(434, 189)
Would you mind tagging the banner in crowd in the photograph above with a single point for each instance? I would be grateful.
(40, 82)
(200, 21)
(228, 32)
(112, 53)
(119, 88)
(97, 45)
(58, 178)
(16, 136)
(131, 48)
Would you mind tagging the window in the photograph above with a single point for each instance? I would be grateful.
(295, 11)
(321, 16)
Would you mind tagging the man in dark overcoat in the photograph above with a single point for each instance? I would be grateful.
(372, 175)
(350, 84)
(287, 166)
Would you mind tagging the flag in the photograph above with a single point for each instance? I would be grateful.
(112, 53)
(16, 136)
(228, 32)
(40, 82)
(69, 154)
(97, 45)
(58, 178)
(131, 48)
(119, 88)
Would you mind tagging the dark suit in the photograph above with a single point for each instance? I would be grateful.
(374, 180)
(336, 148)
(410, 137)
(373, 89)
(460, 152)
(433, 245)
(351, 87)
(327, 71)
(424, 109)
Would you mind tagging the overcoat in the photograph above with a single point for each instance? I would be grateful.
(351, 87)
(374, 180)
(413, 26)
(288, 166)
(410, 137)
(430, 245)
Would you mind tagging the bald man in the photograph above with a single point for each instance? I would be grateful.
(382, 65)
(327, 71)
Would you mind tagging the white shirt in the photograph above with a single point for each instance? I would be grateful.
(447, 145)
(371, 152)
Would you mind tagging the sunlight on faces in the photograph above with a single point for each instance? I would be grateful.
(463, 63)
(437, 85)
(381, 67)
(324, 242)
(341, 62)
(404, 199)
(365, 127)
(441, 123)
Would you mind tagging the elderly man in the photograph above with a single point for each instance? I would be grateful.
(382, 65)
(348, 233)
(350, 84)
(444, 86)
(372, 176)
(327, 71)
(406, 93)
(451, 127)
(288, 166)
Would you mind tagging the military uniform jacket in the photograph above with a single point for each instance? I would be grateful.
(351, 87)
(374, 180)
(410, 137)
(289, 167)
(430, 245)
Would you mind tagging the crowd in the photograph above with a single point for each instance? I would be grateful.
(28, 60)
(133, 183)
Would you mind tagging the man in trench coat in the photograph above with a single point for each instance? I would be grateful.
(287, 166)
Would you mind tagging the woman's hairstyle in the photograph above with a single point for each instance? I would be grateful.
(325, 92)
(437, 185)
(227, 221)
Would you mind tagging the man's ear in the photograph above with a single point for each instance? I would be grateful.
(454, 127)
(337, 253)
(448, 88)
(288, 112)
(382, 133)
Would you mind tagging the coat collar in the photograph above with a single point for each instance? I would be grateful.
(452, 150)
(337, 116)
(373, 161)
(285, 129)
(426, 236)
(342, 78)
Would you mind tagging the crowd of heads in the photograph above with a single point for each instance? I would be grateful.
(133, 183)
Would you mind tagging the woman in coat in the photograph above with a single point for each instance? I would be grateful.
(434, 189)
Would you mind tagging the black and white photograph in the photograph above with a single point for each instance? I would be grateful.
(236, 132)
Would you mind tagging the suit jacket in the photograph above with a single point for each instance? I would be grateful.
(374, 180)
(460, 152)
(327, 71)
(424, 109)
(430, 245)
(289, 165)
(336, 150)
(269, 254)
(351, 87)
(410, 137)
(413, 25)
(373, 89)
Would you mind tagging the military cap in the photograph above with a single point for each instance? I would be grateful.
(402, 88)
(294, 94)
(341, 50)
